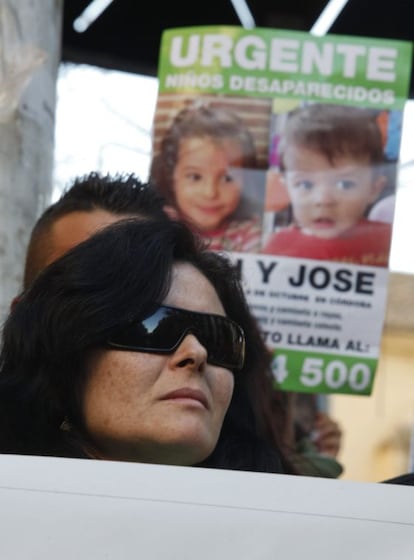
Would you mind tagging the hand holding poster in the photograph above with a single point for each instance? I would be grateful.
(304, 203)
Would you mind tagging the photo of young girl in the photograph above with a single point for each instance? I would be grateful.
(207, 170)
(333, 168)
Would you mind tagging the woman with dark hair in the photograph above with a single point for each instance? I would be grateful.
(136, 345)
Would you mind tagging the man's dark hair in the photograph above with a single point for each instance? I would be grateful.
(122, 195)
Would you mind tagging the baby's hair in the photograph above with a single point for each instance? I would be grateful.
(204, 121)
(335, 131)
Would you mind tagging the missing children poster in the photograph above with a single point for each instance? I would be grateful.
(281, 149)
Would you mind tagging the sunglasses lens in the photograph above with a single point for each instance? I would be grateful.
(164, 330)
(223, 339)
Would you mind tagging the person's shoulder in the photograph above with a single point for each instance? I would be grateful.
(407, 479)
(241, 223)
(244, 234)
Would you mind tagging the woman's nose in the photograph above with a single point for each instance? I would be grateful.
(190, 354)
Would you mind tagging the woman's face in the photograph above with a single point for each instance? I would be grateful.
(160, 408)
(208, 181)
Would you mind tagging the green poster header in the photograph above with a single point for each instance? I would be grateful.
(264, 62)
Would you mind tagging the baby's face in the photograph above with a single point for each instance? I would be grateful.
(208, 181)
(327, 199)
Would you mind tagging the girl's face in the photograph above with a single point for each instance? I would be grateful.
(160, 408)
(207, 181)
(329, 199)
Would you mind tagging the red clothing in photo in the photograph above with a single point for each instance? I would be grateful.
(367, 243)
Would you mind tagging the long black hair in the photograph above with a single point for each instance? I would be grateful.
(118, 275)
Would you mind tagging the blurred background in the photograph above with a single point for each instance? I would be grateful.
(106, 95)
(107, 88)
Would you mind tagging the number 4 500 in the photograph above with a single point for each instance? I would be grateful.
(334, 374)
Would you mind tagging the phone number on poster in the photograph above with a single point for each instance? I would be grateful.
(323, 373)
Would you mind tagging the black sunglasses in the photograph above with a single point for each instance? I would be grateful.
(163, 331)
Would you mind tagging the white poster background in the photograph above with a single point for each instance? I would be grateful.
(52, 508)
(324, 305)
(322, 319)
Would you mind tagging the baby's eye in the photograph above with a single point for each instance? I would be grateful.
(345, 184)
(304, 185)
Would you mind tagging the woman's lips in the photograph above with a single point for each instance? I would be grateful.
(188, 394)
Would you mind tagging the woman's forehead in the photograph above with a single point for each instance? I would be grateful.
(191, 289)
